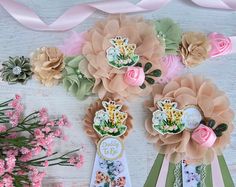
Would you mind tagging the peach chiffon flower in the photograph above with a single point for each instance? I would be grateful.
(191, 90)
(107, 78)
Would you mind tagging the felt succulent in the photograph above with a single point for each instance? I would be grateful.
(170, 33)
(16, 70)
(74, 80)
(150, 76)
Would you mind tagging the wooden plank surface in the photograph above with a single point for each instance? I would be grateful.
(17, 40)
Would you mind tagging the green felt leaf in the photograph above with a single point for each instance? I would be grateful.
(228, 181)
(143, 86)
(170, 33)
(138, 64)
(150, 80)
(74, 81)
(218, 133)
(211, 123)
(222, 127)
(155, 171)
(155, 73)
(147, 66)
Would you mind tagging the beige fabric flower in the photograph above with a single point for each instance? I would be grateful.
(90, 114)
(47, 65)
(194, 48)
(107, 78)
(191, 90)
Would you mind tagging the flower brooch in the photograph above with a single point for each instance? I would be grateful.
(190, 123)
(108, 122)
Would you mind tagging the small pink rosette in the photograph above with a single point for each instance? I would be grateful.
(204, 136)
(220, 44)
(134, 76)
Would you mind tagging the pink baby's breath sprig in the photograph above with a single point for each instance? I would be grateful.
(24, 138)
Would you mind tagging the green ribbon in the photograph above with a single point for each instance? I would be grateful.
(155, 171)
(228, 181)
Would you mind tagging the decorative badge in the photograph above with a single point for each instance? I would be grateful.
(107, 123)
(168, 119)
(111, 120)
(110, 148)
(121, 54)
(192, 116)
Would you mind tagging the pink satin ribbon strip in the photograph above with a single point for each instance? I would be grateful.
(233, 40)
(161, 181)
(217, 178)
(218, 4)
(76, 14)
(79, 13)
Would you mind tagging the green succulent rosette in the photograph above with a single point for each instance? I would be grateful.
(74, 80)
(170, 33)
(16, 70)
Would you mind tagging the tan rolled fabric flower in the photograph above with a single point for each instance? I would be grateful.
(191, 90)
(194, 48)
(90, 114)
(47, 65)
(107, 78)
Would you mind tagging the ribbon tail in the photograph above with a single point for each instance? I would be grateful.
(227, 178)
(155, 171)
(107, 173)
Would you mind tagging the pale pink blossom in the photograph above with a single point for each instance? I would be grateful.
(43, 115)
(36, 177)
(45, 164)
(2, 167)
(3, 128)
(13, 152)
(57, 133)
(51, 123)
(46, 129)
(8, 181)
(37, 151)
(26, 157)
(77, 160)
(10, 163)
(24, 150)
(38, 134)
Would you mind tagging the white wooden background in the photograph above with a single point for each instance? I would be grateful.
(17, 40)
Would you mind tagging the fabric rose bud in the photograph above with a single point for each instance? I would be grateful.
(204, 136)
(134, 76)
(220, 44)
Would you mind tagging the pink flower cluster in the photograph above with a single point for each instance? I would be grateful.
(27, 137)
(15, 114)
(77, 160)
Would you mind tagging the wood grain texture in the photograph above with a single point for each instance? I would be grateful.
(17, 40)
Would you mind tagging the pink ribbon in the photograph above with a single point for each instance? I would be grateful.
(79, 13)
(218, 4)
(217, 178)
(233, 40)
(76, 14)
(161, 181)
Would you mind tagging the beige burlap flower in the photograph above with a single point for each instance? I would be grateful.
(194, 48)
(107, 78)
(191, 90)
(47, 65)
